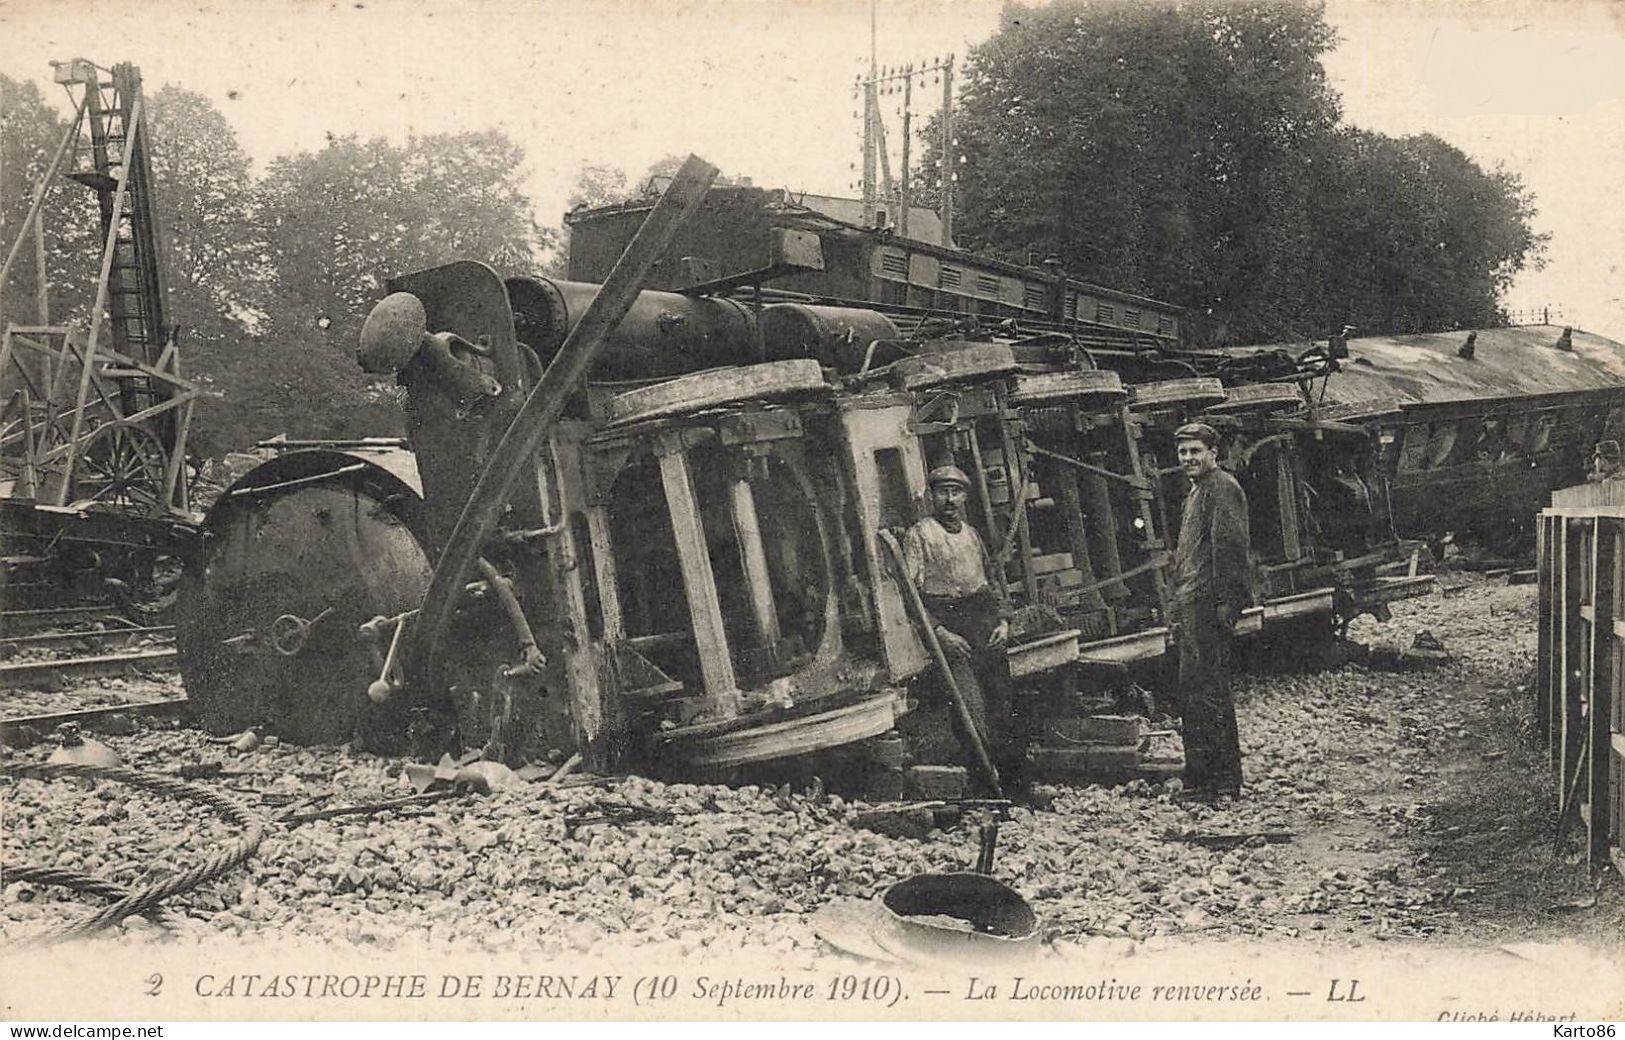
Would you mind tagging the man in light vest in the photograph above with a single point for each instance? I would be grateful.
(949, 563)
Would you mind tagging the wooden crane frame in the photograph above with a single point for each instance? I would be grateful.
(68, 435)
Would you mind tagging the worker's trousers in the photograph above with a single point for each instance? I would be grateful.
(983, 678)
(1212, 745)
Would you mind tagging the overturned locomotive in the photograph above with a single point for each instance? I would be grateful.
(680, 565)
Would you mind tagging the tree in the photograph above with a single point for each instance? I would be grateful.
(598, 184)
(667, 166)
(1429, 238)
(214, 257)
(1191, 151)
(339, 220)
(217, 269)
(329, 227)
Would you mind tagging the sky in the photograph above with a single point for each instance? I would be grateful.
(764, 88)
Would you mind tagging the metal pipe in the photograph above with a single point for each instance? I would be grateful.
(1014, 464)
(531, 660)
(315, 478)
(1090, 467)
(536, 416)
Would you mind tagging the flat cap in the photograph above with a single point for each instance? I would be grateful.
(1198, 431)
(947, 475)
(1607, 449)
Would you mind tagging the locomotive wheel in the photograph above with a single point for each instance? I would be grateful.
(122, 468)
(1260, 397)
(982, 361)
(717, 386)
(1358, 411)
(1202, 391)
(1056, 386)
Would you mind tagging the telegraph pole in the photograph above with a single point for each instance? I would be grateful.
(948, 151)
(891, 80)
(908, 132)
(871, 114)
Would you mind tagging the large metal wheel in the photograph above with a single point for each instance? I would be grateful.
(1359, 411)
(122, 467)
(963, 365)
(1261, 397)
(1088, 383)
(1171, 393)
(772, 380)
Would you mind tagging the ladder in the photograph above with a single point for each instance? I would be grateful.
(112, 154)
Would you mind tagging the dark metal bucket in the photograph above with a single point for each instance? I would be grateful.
(957, 915)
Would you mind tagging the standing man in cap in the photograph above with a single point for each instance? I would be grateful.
(948, 562)
(1211, 586)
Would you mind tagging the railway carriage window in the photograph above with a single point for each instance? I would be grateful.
(788, 542)
(798, 565)
(896, 502)
(649, 578)
(1539, 437)
(1464, 444)
(1415, 446)
(1495, 443)
(711, 479)
(1442, 438)
(1517, 435)
(1262, 480)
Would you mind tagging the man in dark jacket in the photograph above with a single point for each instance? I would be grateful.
(1211, 587)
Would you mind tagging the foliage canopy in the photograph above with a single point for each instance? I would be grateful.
(1194, 152)
(270, 277)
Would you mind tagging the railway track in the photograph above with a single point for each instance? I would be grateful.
(51, 661)
(99, 638)
(93, 666)
(15, 623)
(14, 727)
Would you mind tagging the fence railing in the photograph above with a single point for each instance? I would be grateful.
(1579, 707)
(1536, 316)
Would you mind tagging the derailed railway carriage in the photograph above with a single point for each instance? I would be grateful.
(696, 559)
(688, 572)
(1478, 427)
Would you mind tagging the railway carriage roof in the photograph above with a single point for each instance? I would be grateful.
(1507, 362)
